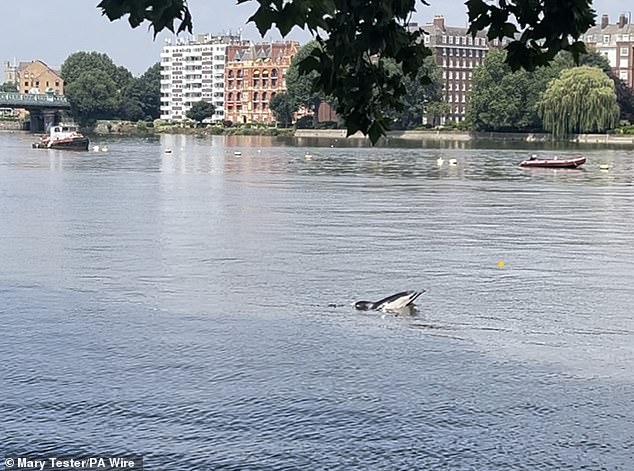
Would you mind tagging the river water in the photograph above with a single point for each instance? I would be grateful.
(193, 307)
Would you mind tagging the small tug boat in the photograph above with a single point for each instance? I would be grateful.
(63, 136)
(553, 163)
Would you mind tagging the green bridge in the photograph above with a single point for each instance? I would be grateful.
(30, 100)
(44, 109)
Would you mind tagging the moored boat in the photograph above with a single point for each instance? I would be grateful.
(63, 136)
(553, 163)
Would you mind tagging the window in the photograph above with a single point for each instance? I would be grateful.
(624, 51)
(606, 38)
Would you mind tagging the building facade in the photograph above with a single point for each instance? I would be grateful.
(34, 77)
(616, 43)
(255, 74)
(457, 54)
(194, 70)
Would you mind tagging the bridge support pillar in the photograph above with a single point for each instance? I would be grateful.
(37, 121)
(43, 119)
(48, 118)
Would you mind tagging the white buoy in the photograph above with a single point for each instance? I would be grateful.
(604, 167)
(237, 153)
(453, 162)
(104, 149)
(95, 148)
(168, 151)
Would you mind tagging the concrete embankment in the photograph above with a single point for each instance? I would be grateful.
(617, 139)
(12, 126)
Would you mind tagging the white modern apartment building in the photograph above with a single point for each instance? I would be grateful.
(193, 70)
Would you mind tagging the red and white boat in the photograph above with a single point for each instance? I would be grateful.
(63, 136)
(555, 162)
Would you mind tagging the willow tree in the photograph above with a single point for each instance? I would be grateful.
(580, 100)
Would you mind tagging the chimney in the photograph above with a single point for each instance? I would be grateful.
(604, 21)
(439, 22)
(622, 20)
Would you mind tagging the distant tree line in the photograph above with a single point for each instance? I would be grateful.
(560, 98)
(99, 89)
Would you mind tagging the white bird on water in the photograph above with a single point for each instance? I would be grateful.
(440, 161)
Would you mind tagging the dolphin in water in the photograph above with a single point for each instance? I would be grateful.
(395, 302)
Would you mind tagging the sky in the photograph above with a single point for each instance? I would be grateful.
(38, 29)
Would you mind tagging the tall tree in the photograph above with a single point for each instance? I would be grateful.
(150, 91)
(92, 96)
(8, 87)
(200, 111)
(283, 107)
(82, 68)
(351, 33)
(580, 100)
(82, 61)
(300, 87)
(141, 97)
(420, 95)
(504, 100)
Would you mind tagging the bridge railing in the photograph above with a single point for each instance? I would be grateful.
(19, 99)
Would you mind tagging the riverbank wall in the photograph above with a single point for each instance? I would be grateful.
(612, 139)
(12, 125)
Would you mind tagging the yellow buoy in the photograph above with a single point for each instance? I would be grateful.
(501, 264)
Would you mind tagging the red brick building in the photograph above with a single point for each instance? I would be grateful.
(253, 75)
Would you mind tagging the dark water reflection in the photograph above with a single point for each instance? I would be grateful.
(180, 306)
